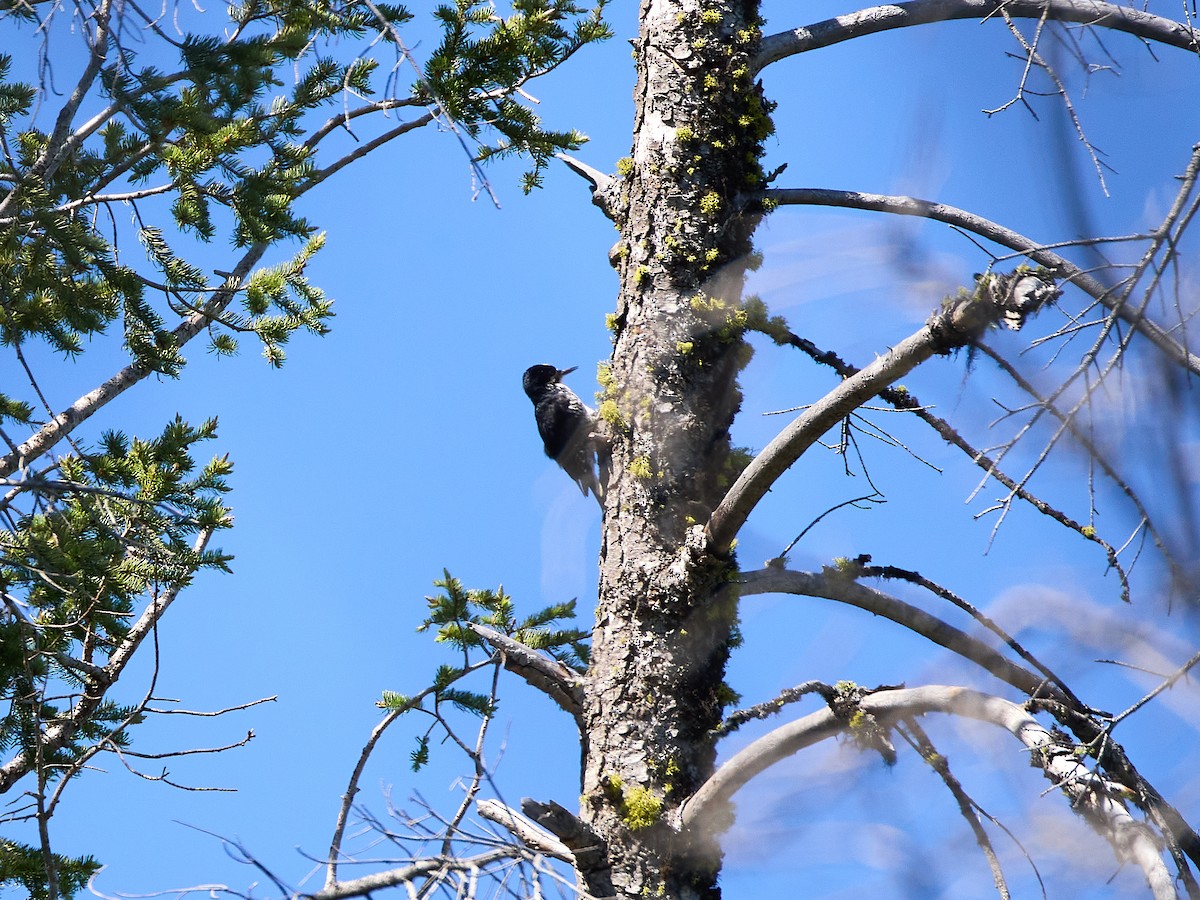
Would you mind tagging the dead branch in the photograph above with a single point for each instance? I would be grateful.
(1062, 268)
(549, 676)
(924, 12)
(532, 836)
(1097, 800)
(960, 321)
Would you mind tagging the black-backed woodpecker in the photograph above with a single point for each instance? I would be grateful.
(565, 423)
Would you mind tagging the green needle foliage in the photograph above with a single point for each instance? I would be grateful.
(160, 197)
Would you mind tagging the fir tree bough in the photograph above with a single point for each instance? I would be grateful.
(158, 198)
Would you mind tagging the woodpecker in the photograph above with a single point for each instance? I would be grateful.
(565, 423)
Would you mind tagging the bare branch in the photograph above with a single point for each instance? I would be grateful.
(905, 401)
(1094, 798)
(549, 676)
(967, 807)
(844, 589)
(343, 816)
(877, 19)
(960, 321)
(1062, 268)
(601, 182)
(532, 836)
(422, 869)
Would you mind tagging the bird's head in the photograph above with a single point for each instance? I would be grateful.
(538, 378)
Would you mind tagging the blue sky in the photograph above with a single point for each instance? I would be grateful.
(401, 444)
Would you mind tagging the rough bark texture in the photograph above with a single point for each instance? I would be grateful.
(661, 642)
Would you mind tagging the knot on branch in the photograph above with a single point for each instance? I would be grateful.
(1009, 298)
(868, 733)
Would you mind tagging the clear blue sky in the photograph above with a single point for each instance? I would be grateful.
(402, 444)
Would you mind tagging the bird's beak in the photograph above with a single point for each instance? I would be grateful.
(562, 372)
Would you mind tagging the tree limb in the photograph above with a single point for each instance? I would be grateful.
(601, 182)
(87, 405)
(1068, 711)
(532, 836)
(548, 675)
(429, 867)
(877, 19)
(1094, 798)
(846, 590)
(959, 322)
(1062, 268)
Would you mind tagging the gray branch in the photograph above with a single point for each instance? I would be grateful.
(1063, 268)
(844, 589)
(924, 12)
(549, 676)
(433, 867)
(590, 851)
(1097, 800)
(602, 183)
(532, 836)
(960, 321)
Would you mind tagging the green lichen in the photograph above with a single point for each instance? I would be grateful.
(605, 377)
(684, 133)
(640, 809)
(685, 347)
(711, 17)
(639, 467)
(1088, 531)
(640, 275)
(611, 320)
(710, 203)
(611, 413)
(625, 166)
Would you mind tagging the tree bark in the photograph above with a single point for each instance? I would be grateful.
(655, 688)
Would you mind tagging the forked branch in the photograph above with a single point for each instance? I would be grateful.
(1097, 800)
(959, 322)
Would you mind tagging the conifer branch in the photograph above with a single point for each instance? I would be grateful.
(86, 406)
(60, 732)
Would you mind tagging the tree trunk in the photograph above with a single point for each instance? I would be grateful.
(663, 633)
